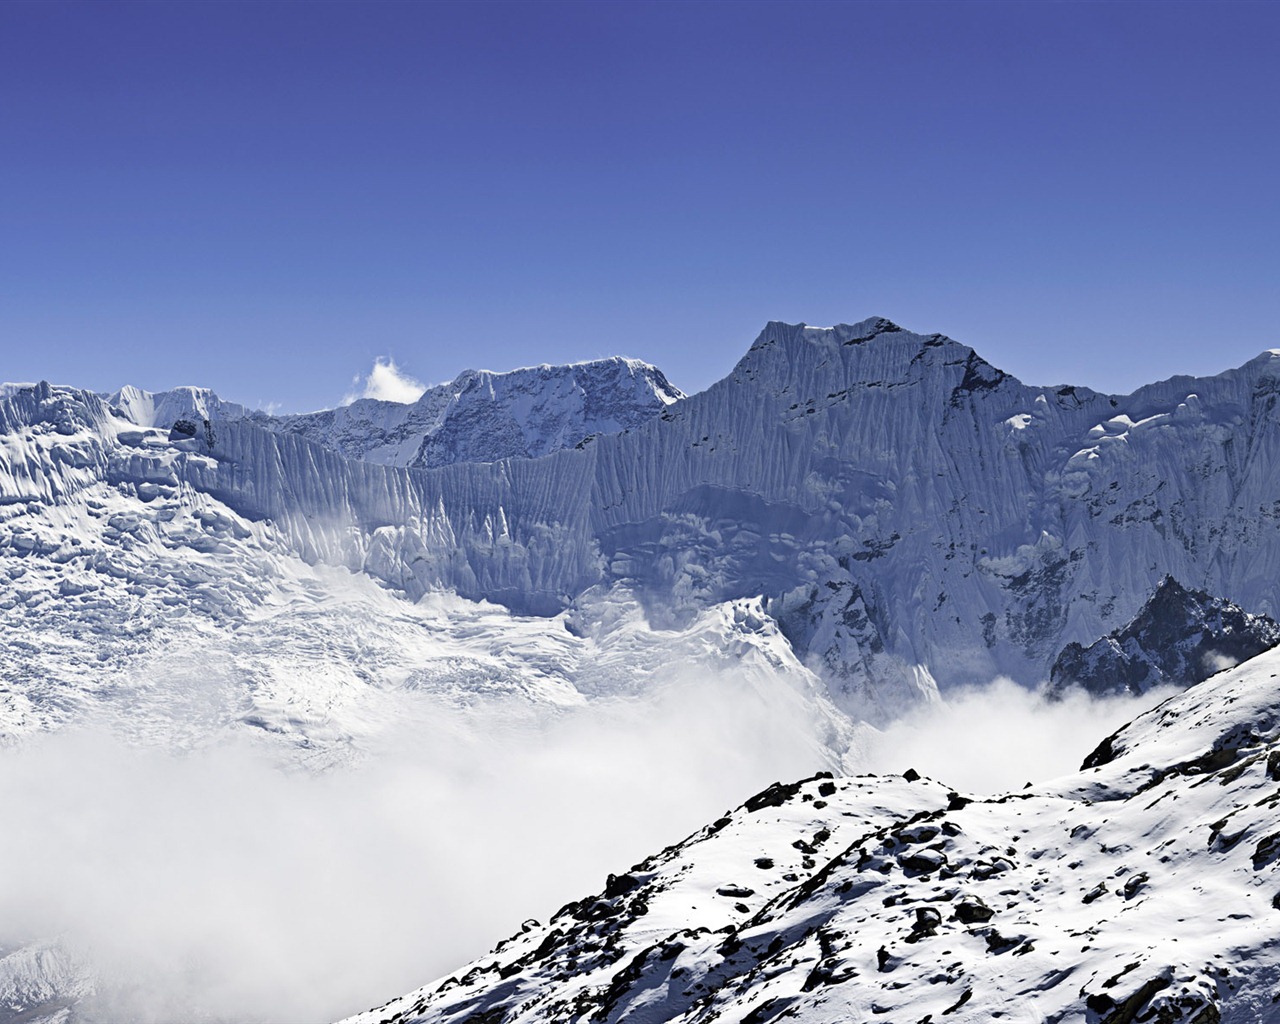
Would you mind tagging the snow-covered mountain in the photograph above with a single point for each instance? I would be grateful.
(483, 416)
(135, 600)
(165, 408)
(1142, 888)
(1180, 637)
(905, 511)
(853, 517)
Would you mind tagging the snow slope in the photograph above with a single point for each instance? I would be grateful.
(1143, 887)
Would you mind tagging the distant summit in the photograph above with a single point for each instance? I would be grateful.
(483, 416)
(1179, 638)
(480, 416)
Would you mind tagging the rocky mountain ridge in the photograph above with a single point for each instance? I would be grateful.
(1179, 638)
(482, 416)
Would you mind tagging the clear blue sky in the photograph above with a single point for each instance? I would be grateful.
(265, 197)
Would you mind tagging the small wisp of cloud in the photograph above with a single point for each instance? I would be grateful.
(386, 382)
(1217, 661)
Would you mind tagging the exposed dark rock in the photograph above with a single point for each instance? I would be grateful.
(1134, 884)
(1179, 638)
(971, 910)
(1128, 1011)
(1266, 851)
(182, 430)
(774, 796)
(922, 860)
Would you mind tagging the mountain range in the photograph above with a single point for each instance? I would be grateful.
(859, 518)
(909, 516)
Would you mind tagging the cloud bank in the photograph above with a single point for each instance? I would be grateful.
(998, 737)
(213, 886)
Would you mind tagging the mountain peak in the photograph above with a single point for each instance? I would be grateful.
(1181, 636)
(876, 352)
(779, 331)
(486, 415)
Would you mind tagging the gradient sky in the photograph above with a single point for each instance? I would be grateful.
(264, 198)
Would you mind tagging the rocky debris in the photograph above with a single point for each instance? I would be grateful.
(971, 910)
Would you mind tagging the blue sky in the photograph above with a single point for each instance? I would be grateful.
(266, 197)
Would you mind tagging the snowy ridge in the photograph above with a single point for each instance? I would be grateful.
(483, 416)
(891, 495)
(164, 408)
(1143, 887)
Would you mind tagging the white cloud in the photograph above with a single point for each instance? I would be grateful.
(998, 737)
(386, 382)
(1216, 661)
(212, 886)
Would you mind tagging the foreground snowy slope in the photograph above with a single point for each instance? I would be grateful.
(1144, 887)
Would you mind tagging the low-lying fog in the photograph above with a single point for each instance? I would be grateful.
(212, 885)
